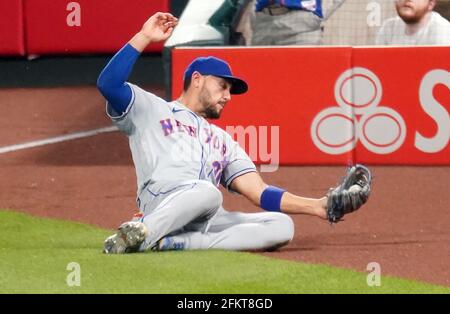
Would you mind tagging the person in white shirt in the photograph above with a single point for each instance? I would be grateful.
(416, 24)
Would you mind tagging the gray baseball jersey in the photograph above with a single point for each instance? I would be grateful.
(171, 145)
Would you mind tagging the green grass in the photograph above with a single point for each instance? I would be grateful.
(35, 252)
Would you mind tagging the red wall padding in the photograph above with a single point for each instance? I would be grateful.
(339, 104)
(105, 25)
(288, 87)
(415, 95)
(11, 28)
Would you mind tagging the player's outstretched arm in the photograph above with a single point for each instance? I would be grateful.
(252, 186)
(157, 28)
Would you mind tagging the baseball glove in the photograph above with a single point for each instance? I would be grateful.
(350, 195)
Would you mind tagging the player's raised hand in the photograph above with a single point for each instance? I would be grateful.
(159, 26)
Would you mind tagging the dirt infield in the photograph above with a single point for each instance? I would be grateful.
(404, 227)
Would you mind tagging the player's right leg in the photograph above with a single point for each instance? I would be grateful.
(236, 231)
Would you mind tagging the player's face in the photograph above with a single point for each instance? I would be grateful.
(412, 11)
(214, 95)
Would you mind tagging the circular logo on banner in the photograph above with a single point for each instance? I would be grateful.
(358, 89)
(382, 130)
(358, 92)
(333, 130)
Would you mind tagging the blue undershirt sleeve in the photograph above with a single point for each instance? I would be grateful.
(112, 81)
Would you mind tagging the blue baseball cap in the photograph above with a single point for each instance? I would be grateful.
(216, 67)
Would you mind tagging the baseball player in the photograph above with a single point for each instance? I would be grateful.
(181, 159)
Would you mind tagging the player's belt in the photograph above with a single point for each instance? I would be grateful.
(275, 10)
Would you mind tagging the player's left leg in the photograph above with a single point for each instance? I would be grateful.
(236, 231)
(193, 204)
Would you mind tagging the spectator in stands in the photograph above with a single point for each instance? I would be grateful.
(443, 8)
(284, 22)
(416, 24)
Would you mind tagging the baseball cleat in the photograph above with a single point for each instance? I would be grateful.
(170, 244)
(128, 238)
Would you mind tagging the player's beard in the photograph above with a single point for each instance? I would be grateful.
(209, 106)
(211, 112)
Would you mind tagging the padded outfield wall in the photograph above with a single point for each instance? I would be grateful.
(50, 27)
(337, 105)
